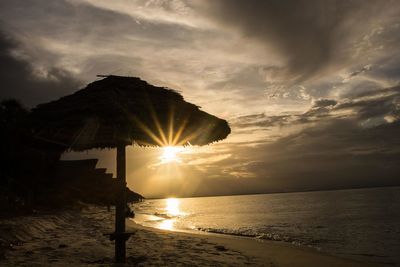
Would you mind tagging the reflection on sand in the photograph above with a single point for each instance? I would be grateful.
(167, 224)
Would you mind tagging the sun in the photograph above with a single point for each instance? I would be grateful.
(170, 154)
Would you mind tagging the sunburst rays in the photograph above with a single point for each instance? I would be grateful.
(174, 133)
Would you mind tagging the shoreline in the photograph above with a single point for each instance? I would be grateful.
(263, 252)
(75, 238)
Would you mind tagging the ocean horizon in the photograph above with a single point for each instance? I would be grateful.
(276, 192)
(361, 224)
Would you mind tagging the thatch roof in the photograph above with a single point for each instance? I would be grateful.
(125, 110)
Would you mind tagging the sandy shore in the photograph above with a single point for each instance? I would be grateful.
(75, 238)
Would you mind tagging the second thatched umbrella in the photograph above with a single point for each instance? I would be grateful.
(118, 111)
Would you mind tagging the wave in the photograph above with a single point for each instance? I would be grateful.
(165, 215)
(263, 236)
(157, 214)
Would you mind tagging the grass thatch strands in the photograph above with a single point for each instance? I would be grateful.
(125, 110)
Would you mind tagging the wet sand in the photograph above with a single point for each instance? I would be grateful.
(75, 238)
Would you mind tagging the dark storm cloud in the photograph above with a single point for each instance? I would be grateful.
(311, 34)
(18, 80)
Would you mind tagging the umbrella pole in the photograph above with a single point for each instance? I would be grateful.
(120, 237)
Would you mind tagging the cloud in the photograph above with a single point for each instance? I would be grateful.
(362, 107)
(357, 72)
(310, 35)
(126, 38)
(322, 103)
(354, 141)
(309, 74)
(328, 152)
(19, 78)
(339, 150)
(370, 105)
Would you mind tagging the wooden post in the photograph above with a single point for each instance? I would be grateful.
(120, 237)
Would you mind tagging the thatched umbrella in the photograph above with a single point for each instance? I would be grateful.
(118, 111)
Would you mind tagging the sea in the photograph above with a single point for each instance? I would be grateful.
(360, 224)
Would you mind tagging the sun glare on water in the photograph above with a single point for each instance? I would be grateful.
(172, 206)
(172, 210)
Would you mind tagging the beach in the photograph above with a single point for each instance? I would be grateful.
(200, 133)
(75, 238)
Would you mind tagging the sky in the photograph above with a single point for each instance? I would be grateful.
(310, 88)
